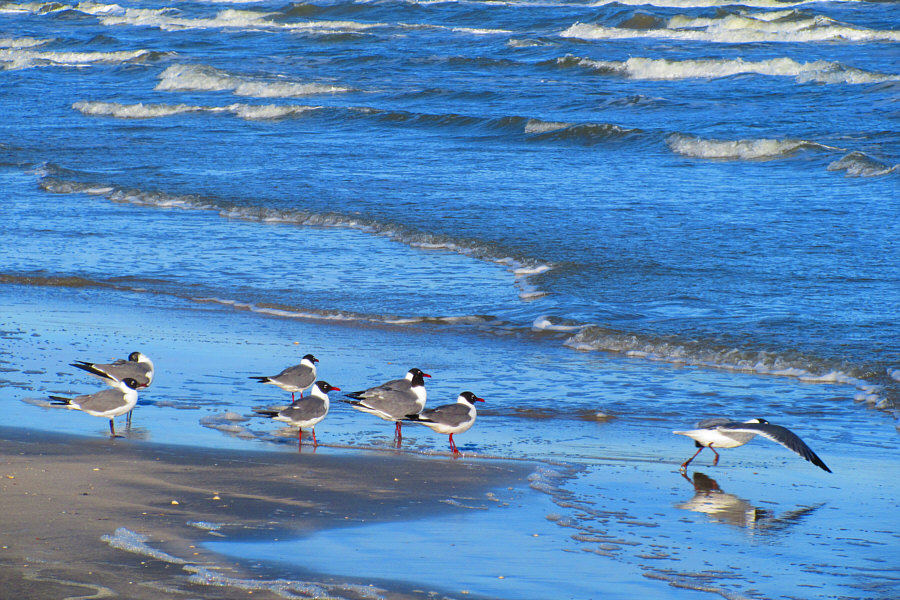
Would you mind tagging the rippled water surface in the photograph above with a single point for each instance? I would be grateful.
(610, 219)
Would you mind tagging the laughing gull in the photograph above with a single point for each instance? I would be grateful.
(450, 418)
(294, 379)
(105, 403)
(394, 400)
(726, 433)
(305, 412)
(138, 367)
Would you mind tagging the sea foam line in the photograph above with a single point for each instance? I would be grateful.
(140, 110)
(820, 71)
(202, 78)
(777, 26)
(673, 350)
(523, 269)
(16, 58)
(860, 164)
(759, 149)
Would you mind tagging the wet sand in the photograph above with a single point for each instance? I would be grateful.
(105, 518)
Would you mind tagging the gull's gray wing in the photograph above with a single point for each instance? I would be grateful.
(117, 371)
(301, 376)
(305, 410)
(779, 435)
(716, 422)
(449, 414)
(394, 403)
(101, 402)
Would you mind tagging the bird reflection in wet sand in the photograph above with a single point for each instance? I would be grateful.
(729, 509)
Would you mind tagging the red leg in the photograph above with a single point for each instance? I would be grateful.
(398, 433)
(299, 439)
(315, 441)
(716, 461)
(688, 461)
(453, 445)
(112, 428)
(292, 396)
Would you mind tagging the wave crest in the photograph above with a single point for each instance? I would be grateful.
(859, 164)
(17, 58)
(522, 268)
(742, 28)
(761, 149)
(819, 71)
(202, 78)
(681, 351)
(149, 111)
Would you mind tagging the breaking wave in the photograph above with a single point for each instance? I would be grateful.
(859, 164)
(528, 128)
(742, 28)
(762, 149)
(201, 78)
(149, 111)
(173, 20)
(820, 71)
(21, 57)
(522, 268)
(880, 393)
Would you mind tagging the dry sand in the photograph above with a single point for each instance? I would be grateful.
(63, 500)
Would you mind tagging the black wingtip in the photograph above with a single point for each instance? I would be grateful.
(60, 401)
(821, 464)
(259, 378)
(266, 413)
(89, 367)
(355, 395)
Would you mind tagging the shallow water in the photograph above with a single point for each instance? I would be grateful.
(657, 211)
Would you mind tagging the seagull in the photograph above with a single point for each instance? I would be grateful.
(394, 400)
(138, 367)
(305, 412)
(294, 379)
(450, 418)
(726, 433)
(105, 403)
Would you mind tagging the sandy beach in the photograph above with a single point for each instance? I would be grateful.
(109, 518)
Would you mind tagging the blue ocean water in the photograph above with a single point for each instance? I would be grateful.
(563, 204)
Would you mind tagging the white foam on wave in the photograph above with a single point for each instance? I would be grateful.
(710, 3)
(210, 575)
(819, 71)
(23, 42)
(151, 111)
(548, 323)
(593, 338)
(778, 26)
(202, 78)
(760, 149)
(16, 58)
(171, 19)
(34, 8)
(538, 126)
(130, 541)
(522, 269)
(859, 164)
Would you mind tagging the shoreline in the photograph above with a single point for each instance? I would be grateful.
(99, 516)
